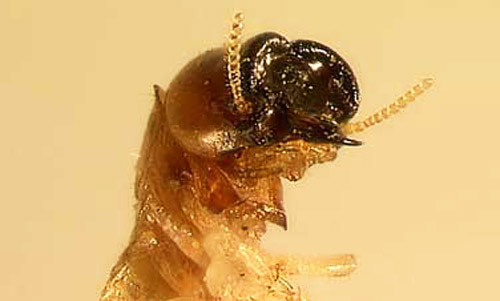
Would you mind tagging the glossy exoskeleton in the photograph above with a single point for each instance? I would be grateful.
(208, 177)
(297, 90)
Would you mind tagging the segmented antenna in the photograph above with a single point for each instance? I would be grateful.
(233, 49)
(390, 110)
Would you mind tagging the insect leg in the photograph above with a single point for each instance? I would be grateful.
(336, 266)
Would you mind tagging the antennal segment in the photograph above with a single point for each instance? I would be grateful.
(233, 49)
(390, 110)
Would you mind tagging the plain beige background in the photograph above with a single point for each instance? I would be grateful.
(419, 202)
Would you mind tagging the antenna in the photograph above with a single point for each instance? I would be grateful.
(389, 110)
(233, 49)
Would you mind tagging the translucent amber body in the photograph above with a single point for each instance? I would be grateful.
(204, 198)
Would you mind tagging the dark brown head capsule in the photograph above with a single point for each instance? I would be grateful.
(296, 90)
